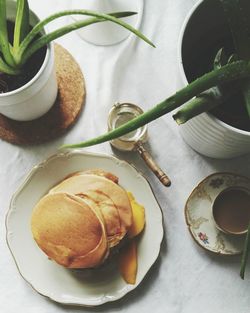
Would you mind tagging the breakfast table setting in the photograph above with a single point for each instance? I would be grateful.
(187, 266)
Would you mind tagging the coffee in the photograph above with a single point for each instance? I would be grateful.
(231, 210)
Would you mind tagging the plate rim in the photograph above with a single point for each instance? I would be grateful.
(186, 209)
(28, 177)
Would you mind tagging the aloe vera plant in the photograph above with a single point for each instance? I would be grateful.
(27, 40)
(207, 91)
(245, 254)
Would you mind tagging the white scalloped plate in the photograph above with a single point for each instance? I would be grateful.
(78, 287)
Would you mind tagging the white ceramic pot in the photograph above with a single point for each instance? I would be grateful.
(205, 133)
(35, 98)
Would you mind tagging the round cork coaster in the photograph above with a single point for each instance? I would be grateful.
(63, 114)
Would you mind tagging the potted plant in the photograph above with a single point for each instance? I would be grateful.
(28, 86)
(224, 131)
(217, 33)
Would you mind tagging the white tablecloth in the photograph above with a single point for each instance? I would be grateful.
(185, 278)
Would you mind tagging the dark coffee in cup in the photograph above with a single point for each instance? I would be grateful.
(231, 210)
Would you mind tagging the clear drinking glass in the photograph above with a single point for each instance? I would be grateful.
(108, 33)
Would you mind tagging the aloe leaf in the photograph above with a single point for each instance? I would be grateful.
(45, 39)
(245, 254)
(208, 99)
(220, 59)
(204, 102)
(113, 17)
(4, 41)
(5, 68)
(238, 17)
(39, 27)
(233, 58)
(229, 72)
(22, 22)
(246, 94)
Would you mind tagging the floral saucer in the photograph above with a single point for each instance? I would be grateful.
(198, 213)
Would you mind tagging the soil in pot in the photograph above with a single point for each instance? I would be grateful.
(9, 82)
(198, 60)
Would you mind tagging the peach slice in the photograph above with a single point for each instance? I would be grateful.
(138, 220)
(128, 262)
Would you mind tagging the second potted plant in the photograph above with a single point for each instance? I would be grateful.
(224, 131)
(216, 34)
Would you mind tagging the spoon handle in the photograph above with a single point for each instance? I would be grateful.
(153, 166)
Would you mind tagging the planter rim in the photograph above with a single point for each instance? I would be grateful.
(182, 72)
(38, 74)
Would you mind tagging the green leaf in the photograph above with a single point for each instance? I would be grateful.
(204, 102)
(210, 98)
(220, 59)
(40, 26)
(113, 17)
(245, 254)
(233, 58)
(5, 68)
(4, 41)
(22, 22)
(246, 94)
(229, 72)
(45, 39)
